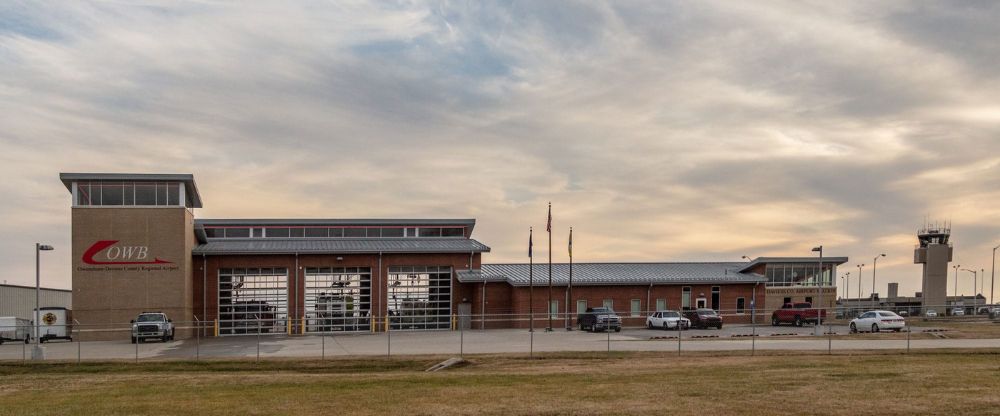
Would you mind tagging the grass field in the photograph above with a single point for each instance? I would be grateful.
(953, 383)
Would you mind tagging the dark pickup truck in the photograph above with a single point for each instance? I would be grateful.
(599, 319)
(796, 314)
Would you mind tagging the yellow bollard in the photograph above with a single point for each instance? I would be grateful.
(289, 322)
(371, 324)
(454, 322)
(216, 327)
(387, 323)
(303, 330)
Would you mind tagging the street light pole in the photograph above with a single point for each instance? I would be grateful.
(38, 283)
(974, 279)
(956, 267)
(847, 289)
(860, 266)
(874, 266)
(819, 311)
(994, 273)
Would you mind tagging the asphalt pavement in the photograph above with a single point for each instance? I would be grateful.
(734, 338)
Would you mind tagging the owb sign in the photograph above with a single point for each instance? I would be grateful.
(110, 253)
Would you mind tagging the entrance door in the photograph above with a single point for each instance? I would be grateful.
(701, 303)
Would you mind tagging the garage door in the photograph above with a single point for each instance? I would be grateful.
(419, 297)
(253, 300)
(338, 299)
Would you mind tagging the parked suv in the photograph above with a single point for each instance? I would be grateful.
(599, 319)
(152, 325)
(796, 314)
(704, 318)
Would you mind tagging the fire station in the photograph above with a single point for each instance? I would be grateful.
(137, 246)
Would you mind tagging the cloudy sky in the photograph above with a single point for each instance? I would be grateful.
(661, 131)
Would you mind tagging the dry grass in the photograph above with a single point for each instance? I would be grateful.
(625, 383)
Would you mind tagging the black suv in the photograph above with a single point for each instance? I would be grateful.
(704, 318)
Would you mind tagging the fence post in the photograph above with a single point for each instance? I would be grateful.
(388, 339)
(907, 339)
(680, 333)
(531, 344)
(753, 337)
(78, 347)
(136, 349)
(609, 342)
(322, 338)
(258, 337)
(197, 336)
(461, 341)
(24, 349)
(829, 339)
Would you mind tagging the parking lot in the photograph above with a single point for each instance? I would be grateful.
(734, 338)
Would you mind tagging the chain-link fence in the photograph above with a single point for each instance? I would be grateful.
(737, 332)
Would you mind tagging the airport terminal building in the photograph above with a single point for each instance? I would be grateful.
(137, 246)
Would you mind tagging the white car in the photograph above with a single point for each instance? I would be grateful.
(958, 312)
(876, 321)
(931, 313)
(667, 320)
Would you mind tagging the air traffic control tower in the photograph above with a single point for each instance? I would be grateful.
(934, 252)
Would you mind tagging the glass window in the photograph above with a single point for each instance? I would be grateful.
(336, 232)
(355, 232)
(258, 232)
(430, 232)
(374, 232)
(129, 194)
(411, 232)
(661, 304)
(609, 304)
(453, 232)
(716, 297)
(145, 194)
(161, 193)
(113, 194)
(392, 232)
(581, 305)
(296, 232)
(173, 194)
(554, 309)
(276, 232)
(237, 232)
(686, 297)
(214, 233)
(636, 309)
(740, 305)
(316, 232)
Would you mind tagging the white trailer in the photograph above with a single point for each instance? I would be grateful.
(53, 323)
(14, 329)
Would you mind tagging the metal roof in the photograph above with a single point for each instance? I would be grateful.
(190, 188)
(403, 222)
(798, 260)
(338, 246)
(617, 274)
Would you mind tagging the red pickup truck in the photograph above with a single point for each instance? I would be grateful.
(796, 314)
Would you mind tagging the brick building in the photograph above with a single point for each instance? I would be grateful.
(137, 246)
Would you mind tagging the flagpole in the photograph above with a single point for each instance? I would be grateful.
(531, 285)
(549, 306)
(569, 291)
